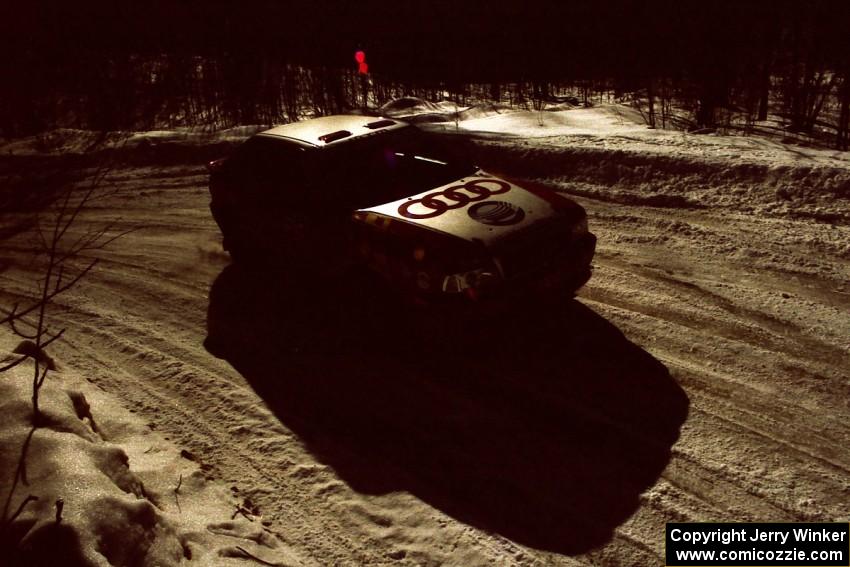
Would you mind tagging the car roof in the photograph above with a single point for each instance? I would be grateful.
(332, 130)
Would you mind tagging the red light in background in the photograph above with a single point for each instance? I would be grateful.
(360, 57)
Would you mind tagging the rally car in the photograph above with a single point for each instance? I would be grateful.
(321, 194)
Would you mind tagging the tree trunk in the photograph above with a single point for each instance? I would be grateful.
(650, 96)
(496, 92)
(764, 92)
(842, 134)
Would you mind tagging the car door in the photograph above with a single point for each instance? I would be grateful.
(272, 194)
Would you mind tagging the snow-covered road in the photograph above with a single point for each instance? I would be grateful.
(703, 374)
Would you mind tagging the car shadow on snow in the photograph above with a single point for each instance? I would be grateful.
(540, 422)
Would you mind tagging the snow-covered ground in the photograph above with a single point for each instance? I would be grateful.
(162, 511)
(701, 375)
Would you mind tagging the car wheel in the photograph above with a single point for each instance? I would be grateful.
(240, 251)
(578, 281)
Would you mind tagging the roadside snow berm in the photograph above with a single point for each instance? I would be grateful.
(70, 498)
(90, 509)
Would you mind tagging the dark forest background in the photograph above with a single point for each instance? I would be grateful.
(109, 65)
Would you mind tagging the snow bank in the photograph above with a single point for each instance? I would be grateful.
(181, 146)
(418, 111)
(677, 179)
(163, 512)
(596, 121)
(106, 518)
(603, 152)
(607, 153)
(70, 141)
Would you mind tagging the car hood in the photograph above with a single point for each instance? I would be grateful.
(480, 207)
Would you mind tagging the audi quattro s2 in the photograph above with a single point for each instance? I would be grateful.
(326, 193)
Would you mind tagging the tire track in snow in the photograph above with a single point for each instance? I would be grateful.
(701, 294)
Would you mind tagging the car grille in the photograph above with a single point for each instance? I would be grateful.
(538, 249)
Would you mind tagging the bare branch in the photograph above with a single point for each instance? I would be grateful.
(13, 364)
(53, 338)
(112, 239)
(20, 475)
(250, 555)
(10, 314)
(63, 208)
(177, 493)
(23, 505)
(78, 207)
(240, 510)
(59, 277)
(20, 333)
(12, 317)
(41, 237)
(43, 375)
(82, 242)
(95, 240)
(54, 293)
(74, 280)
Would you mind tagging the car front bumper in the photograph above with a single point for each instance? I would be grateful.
(563, 274)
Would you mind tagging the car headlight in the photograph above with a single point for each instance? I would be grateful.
(475, 279)
(580, 228)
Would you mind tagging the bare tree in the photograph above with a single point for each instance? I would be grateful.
(66, 264)
(842, 138)
(650, 99)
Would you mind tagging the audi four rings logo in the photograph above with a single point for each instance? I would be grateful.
(434, 204)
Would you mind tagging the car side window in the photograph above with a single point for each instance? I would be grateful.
(271, 171)
(354, 175)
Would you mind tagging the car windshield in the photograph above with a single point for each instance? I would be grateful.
(387, 167)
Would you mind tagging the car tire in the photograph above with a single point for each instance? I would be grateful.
(239, 250)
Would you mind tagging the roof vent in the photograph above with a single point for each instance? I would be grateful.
(379, 124)
(334, 136)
